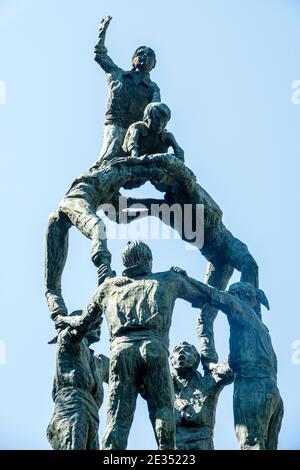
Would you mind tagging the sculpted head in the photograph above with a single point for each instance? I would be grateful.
(156, 116)
(247, 293)
(137, 253)
(185, 358)
(143, 59)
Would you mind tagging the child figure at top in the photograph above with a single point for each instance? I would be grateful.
(150, 136)
(129, 91)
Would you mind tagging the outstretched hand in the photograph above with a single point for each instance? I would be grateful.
(104, 24)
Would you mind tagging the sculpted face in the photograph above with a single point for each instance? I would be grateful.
(157, 121)
(144, 60)
(183, 357)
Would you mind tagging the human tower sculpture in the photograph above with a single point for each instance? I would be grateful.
(138, 304)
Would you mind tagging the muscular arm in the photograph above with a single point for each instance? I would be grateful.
(230, 305)
(191, 290)
(198, 293)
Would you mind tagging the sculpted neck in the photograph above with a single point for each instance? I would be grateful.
(137, 270)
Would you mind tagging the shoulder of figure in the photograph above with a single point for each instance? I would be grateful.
(166, 135)
(169, 275)
(139, 125)
(154, 84)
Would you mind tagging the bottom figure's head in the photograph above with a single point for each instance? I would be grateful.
(185, 357)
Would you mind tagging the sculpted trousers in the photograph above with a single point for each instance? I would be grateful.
(73, 429)
(258, 412)
(133, 365)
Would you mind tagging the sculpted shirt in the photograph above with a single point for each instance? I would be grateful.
(196, 401)
(140, 137)
(79, 375)
(129, 91)
(140, 303)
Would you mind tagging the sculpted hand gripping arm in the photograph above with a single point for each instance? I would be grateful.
(91, 315)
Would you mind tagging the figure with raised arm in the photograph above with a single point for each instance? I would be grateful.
(257, 404)
(77, 389)
(196, 397)
(129, 91)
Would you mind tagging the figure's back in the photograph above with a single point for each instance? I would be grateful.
(143, 303)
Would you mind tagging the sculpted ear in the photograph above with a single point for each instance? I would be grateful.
(262, 298)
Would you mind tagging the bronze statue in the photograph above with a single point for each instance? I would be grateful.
(196, 397)
(77, 389)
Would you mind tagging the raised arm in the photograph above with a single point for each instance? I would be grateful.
(101, 56)
(189, 289)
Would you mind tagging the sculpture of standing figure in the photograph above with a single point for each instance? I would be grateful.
(138, 307)
(77, 389)
(196, 398)
(257, 405)
(129, 91)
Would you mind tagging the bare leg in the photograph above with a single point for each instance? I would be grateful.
(218, 276)
(55, 259)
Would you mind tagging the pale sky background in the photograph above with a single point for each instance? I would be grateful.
(225, 68)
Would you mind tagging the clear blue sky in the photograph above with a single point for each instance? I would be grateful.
(225, 68)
